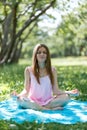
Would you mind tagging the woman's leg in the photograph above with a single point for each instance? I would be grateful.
(58, 102)
(28, 104)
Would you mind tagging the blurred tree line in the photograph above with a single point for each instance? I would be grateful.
(72, 33)
(69, 39)
(19, 30)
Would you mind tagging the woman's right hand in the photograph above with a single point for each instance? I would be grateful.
(14, 94)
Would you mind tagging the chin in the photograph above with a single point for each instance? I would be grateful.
(41, 60)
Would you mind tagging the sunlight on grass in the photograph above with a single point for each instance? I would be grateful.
(25, 61)
(4, 91)
(4, 87)
(69, 61)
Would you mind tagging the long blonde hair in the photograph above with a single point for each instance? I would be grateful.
(48, 63)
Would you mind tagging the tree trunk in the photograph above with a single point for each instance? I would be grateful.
(11, 43)
(9, 31)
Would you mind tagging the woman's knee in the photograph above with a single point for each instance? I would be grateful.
(67, 97)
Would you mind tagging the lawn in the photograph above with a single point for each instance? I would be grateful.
(72, 73)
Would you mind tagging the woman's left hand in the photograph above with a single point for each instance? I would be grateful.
(74, 92)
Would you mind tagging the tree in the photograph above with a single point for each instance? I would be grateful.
(18, 19)
(73, 31)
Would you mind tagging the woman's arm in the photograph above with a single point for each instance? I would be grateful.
(26, 83)
(56, 89)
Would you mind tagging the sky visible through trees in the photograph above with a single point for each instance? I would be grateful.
(52, 24)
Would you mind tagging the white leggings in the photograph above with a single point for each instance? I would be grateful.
(59, 101)
(26, 103)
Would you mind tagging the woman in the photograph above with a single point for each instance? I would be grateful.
(41, 88)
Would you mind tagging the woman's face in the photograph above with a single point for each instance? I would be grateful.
(41, 55)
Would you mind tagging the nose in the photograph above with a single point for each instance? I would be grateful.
(42, 53)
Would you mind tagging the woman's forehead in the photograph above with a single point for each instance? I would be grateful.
(42, 48)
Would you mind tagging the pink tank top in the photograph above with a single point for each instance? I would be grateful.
(40, 93)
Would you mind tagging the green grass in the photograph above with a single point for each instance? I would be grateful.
(72, 73)
(70, 61)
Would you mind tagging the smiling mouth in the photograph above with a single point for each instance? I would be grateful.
(42, 57)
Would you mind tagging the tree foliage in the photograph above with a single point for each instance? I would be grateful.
(73, 32)
(19, 30)
(17, 20)
(68, 39)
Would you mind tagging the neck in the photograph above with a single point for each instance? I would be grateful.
(41, 65)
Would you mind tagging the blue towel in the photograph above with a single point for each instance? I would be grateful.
(72, 113)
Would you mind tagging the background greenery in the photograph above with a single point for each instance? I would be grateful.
(72, 73)
(69, 38)
(20, 28)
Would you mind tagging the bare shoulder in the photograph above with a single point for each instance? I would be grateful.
(54, 69)
(28, 69)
